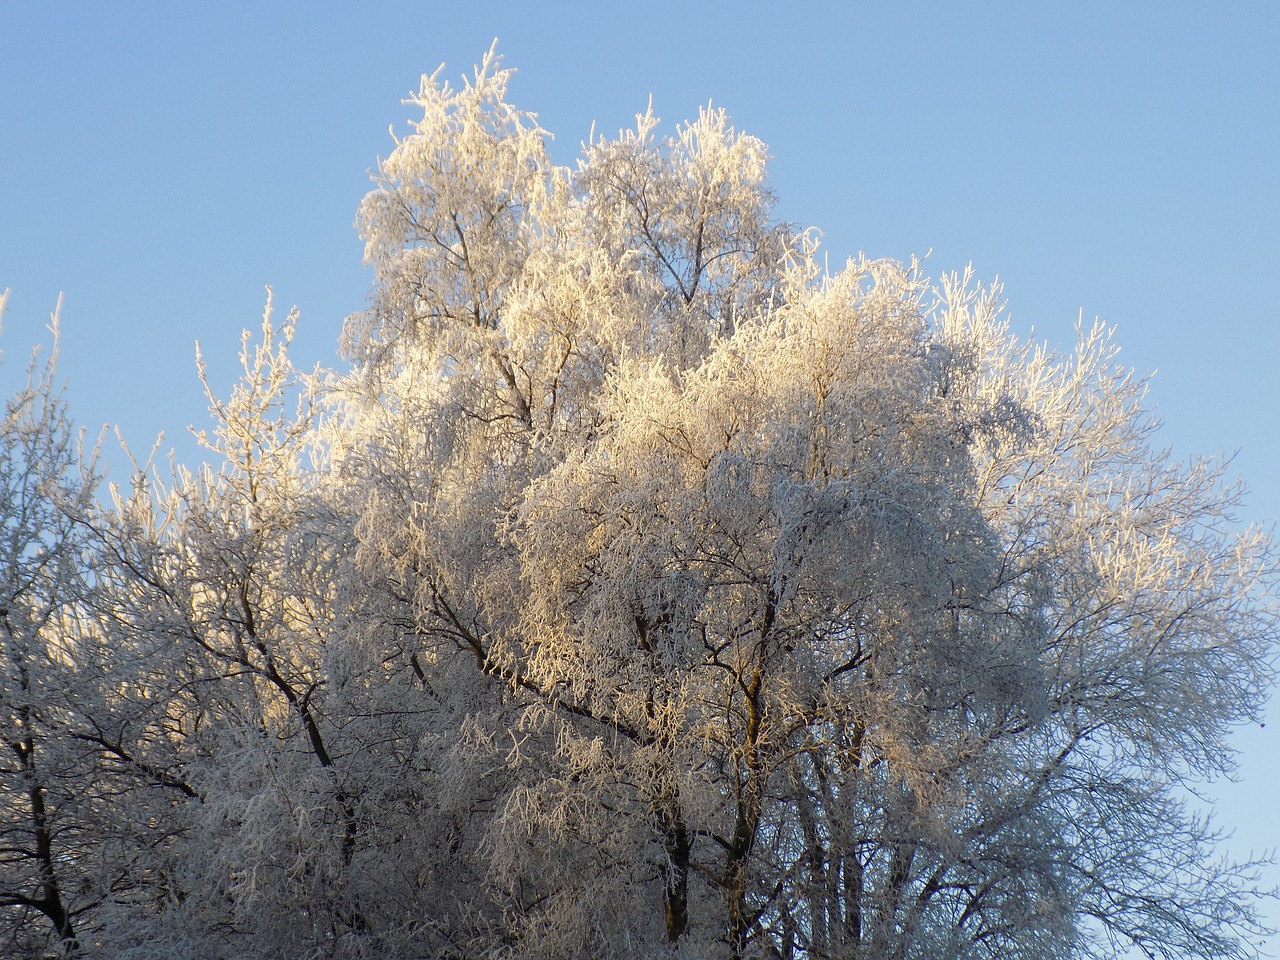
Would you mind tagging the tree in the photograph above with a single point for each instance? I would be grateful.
(641, 589)
(47, 802)
(86, 786)
(300, 828)
(807, 615)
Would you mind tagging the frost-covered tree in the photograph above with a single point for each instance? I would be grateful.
(777, 613)
(89, 784)
(641, 589)
(300, 829)
(50, 846)
(219, 583)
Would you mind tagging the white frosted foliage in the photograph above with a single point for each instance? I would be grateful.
(644, 589)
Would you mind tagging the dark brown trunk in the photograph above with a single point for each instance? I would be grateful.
(675, 899)
(50, 901)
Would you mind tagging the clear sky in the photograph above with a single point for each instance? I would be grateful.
(160, 163)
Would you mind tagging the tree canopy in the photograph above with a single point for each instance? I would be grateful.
(638, 587)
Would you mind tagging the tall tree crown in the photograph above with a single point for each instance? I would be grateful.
(649, 590)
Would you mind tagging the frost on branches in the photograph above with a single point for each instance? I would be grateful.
(639, 589)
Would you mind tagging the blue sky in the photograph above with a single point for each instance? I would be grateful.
(160, 163)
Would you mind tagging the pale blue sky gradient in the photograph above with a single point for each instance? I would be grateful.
(161, 162)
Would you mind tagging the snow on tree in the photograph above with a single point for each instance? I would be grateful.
(809, 615)
(644, 589)
(52, 806)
